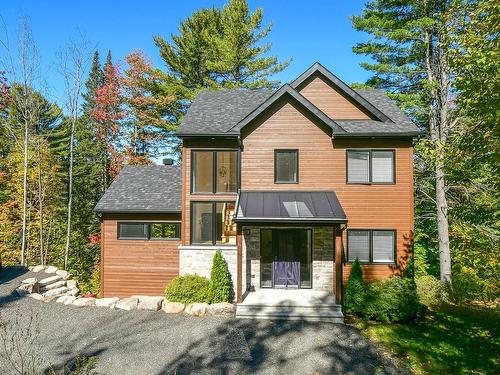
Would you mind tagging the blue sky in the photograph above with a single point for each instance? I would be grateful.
(306, 31)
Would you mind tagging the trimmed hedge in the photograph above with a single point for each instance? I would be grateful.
(221, 287)
(189, 289)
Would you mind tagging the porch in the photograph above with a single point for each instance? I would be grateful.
(291, 304)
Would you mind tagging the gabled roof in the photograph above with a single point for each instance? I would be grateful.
(283, 91)
(224, 113)
(342, 87)
(144, 188)
(289, 206)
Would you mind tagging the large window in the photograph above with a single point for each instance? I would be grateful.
(286, 166)
(212, 223)
(149, 231)
(370, 166)
(371, 246)
(214, 171)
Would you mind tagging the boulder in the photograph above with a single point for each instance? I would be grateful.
(197, 309)
(51, 269)
(55, 292)
(64, 274)
(30, 268)
(31, 280)
(21, 292)
(49, 280)
(38, 268)
(84, 302)
(74, 292)
(222, 308)
(30, 288)
(62, 298)
(106, 302)
(69, 300)
(173, 307)
(71, 284)
(149, 302)
(55, 285)
(36, 296)
(127, 304)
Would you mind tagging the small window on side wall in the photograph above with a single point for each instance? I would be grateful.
(371, 246)
(165, 231)
(286, 166)
(132, 231)
(149, 231)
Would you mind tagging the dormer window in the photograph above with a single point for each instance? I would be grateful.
(286, 166)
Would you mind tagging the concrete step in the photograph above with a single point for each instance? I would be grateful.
(332, 313)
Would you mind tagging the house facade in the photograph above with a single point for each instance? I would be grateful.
(291, 185)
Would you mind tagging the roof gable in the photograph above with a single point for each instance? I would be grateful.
(284, 91)
(341, 87)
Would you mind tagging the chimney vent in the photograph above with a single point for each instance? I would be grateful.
(168, 161)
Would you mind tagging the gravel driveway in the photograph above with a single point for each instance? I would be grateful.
(143, 342)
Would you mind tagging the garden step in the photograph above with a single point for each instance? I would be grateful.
(55, 285)
(308, 313)
(49, 280)
(55, 292)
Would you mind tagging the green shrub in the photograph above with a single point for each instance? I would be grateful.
(188, 289)
(355, 292)
(430, 290)
(392, 300)
(221, 287)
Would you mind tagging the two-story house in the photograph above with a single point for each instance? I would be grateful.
(292, 185)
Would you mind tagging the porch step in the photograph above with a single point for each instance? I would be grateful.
(326, 313)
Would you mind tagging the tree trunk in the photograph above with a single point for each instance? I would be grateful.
(40, 204)
(25, 192)
(70, 193)
(436, 65)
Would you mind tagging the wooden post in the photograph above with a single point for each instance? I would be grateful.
(101, 291)
(239, 264)
(338, 264)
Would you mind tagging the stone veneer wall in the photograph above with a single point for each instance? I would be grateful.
(198, 260)
(323, 258)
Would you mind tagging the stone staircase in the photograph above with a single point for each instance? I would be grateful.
(49, 284)
(302, 305)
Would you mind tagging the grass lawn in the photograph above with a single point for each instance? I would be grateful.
(454, 340)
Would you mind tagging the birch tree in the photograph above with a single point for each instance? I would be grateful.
(73, 63)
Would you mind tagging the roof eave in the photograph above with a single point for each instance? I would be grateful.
(377, 135)
(201, 135)
(292, 220)
(135, 211)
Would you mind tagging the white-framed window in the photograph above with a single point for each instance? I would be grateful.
(371, 166)
(371, 245)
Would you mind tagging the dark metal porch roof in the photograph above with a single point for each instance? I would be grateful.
(320, 207)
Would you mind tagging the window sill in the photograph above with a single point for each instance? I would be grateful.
(373, 263)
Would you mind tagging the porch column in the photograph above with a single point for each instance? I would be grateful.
(337, 248)
(239, 264)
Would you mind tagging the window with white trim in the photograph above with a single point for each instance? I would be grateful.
(371, 245)
(370, 166)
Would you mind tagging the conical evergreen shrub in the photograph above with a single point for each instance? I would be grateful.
(355, 291)
(221, 285)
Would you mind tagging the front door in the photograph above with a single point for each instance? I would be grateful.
(286, 262)
(285, 258)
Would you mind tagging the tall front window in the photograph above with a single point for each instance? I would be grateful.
(286, 166)
(212, 223)
(214, 171)
(370, 166)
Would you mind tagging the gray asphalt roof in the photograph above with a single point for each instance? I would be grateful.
(149, 188)
(289, 206)
(219, 112)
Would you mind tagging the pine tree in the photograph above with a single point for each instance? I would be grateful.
(218, 48)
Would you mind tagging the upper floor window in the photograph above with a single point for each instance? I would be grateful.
(286, 166)
(370, 166)
(149, 231)
(214, 171)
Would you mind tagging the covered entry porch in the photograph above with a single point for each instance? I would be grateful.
(289, 254)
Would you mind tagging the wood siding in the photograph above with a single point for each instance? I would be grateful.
(137, 267)
(326, 98)
(322, 166)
